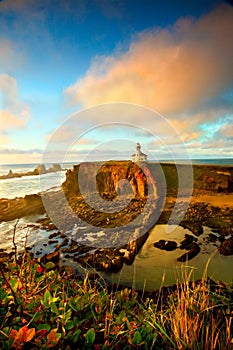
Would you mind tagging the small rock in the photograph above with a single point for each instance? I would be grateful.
(160, 244)
(170, 245)
(165, 245)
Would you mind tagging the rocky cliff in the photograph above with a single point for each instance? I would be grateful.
(113, 178)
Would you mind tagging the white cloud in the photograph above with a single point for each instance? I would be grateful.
(14, 113)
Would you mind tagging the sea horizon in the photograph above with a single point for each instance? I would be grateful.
(214, 161)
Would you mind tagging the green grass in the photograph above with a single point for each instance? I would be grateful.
(42, 308)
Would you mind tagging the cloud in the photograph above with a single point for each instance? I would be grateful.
(10, 94)
(20, 151)
(20, 156)
(63, 134)
(171, 70)
(14, 113)
(11, 121)
(227, 131)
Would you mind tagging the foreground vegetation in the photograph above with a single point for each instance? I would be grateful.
(42, 308)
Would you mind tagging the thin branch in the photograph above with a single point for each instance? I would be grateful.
(13, 238)
(9, 285)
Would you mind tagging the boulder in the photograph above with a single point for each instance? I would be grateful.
(160, 244)
(50, 260)
(187, 242)
(226, 247)
(40, 169)
(54, 168)
(165, 245)
(170, 245)
(195, 249)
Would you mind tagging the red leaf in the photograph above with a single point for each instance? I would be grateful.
(23, 335)
(39, 269)
(52, 338)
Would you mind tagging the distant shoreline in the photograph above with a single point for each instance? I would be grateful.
(39, 170)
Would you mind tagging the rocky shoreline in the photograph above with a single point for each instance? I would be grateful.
(198, 214)
(39, 170)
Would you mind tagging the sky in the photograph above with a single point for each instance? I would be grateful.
(87, 79)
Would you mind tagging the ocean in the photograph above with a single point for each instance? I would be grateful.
(19, 187)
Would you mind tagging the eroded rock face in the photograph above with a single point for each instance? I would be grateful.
(109, 180)
(11, 209)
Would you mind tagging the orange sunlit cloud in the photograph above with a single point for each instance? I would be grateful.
(169, 70)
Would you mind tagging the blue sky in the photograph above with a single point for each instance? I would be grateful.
(61, 57)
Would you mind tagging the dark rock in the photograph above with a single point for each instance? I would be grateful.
(221, 238)
(195, 249)
(4, 255)
(53, 235)
(165, 245)
(186, 243)
(212, 238)
(226, 247)
(192, 225)
(52, 241)
(129, 258)
(170, 245)
(160, 244)
(116, 263)
(53, 257)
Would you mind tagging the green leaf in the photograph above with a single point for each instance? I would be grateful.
(90, 336)
(76, 321)
(47, 297)
(69, 325)
(53, 308)
(44, 326)
(76, 335)
(137, 338)
(50, 265)
(73, 305)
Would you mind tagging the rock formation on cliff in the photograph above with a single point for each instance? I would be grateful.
(109, 180)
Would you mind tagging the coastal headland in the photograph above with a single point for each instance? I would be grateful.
(39, 170)
(206, 200)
